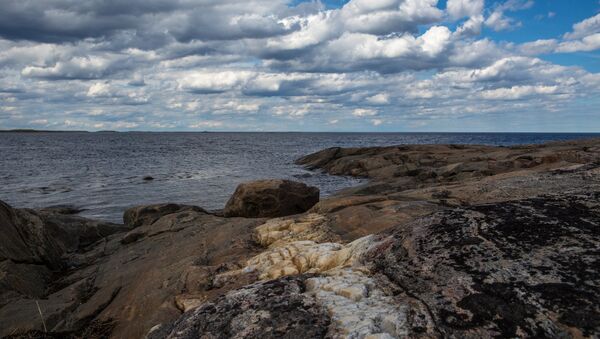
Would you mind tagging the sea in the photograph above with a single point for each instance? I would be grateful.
(103, 173)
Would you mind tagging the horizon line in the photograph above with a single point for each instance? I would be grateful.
(28, 130)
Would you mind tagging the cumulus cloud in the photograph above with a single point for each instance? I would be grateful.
(464, 8)
(498, 21)
(99, 89)
(586, 44)
(585, 37)
(364, 112)
(541, 46)
(269, 64)
(207, 124)
(379, 99)
(213, 82)
(517, 92)
(585, 28)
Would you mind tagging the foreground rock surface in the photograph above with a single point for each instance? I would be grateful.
(526, 268)
(271, 198)
(274, 309)
(111, 287)
(443, 241)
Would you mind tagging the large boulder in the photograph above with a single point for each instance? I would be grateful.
(270, 199)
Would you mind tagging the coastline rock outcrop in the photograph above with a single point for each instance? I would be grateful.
(443, 241)
(271, 199)
(107, 287)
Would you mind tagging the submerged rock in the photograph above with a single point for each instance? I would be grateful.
(148, 214)
(62, 209)
(271, 198)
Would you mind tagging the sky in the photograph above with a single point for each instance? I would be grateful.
(290, 65)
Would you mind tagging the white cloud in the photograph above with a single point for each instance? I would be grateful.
(584, 28)
(379, 99)
(264, 64)
(471, 27)
(236, 106)
(498, 21)
(464, 8)
(586, 44)
(585, 37)
(99, 89)
(538, 47)
(75, 68)
(374, 17)
(376, 122)
(364, 112)
(213, 82)
(207, 124)
(39, 122)
(517, 92)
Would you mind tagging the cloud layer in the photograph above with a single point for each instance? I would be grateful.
(271, 65)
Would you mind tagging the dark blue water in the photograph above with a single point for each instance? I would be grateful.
(103, 172)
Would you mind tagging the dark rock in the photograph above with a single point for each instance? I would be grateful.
(125, 290)
(271, 198)
(148, 178)
(148, 214)
(42, 237)
(34, 249)
(274, 309)
(525, 268)
(62, 209)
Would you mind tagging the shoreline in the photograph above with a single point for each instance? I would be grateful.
(435, 232)
(27, 131)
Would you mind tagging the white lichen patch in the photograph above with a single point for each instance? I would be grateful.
(357, 307)
(307, 257)
(280, 231)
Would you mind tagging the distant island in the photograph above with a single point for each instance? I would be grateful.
(30, 130)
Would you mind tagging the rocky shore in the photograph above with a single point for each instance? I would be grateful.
(443, 241)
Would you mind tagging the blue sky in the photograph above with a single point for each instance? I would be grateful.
(279, 65)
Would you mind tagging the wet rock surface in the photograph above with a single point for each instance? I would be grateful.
(271, 198)
(443, 241)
